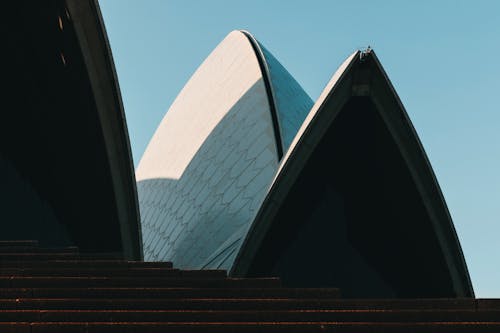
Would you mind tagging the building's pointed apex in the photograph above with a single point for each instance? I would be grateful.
(356, 200)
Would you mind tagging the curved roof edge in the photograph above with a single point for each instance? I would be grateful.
(212, 155)
(91, 33)
(343, 85)
(426, 178)
(269, 90)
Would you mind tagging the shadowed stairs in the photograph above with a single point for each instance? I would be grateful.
(62, 290)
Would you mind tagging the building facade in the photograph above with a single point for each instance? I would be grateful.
(245, 174)
(210, 162)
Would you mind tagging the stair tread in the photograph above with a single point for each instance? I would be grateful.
(170, 292)
(14, 256)
(107, 271)
(31, 249)
(153, 327)
(80, 263)
(21, 242)
(104, 281)
(192, 303)
(62, 290)
(408, 316)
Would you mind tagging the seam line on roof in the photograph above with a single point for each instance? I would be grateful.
(270, 95)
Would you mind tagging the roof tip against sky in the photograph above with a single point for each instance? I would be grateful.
(243, 161)
(289, 102)
(215, 152)
(357, 160)
(452, 103)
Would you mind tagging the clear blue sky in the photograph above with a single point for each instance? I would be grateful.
(443, 57)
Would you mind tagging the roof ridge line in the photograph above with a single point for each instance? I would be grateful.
(266, 76)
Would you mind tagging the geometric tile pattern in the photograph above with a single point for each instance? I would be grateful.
(210, 163)
(292, 102)
(187, 220)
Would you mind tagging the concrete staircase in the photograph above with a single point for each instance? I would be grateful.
(62, 290)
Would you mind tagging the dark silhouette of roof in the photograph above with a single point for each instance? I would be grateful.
(355, 202)
(65, 151)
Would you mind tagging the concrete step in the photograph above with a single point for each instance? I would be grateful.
(115, 282)
(330, 295)
(168, 293)
(111, 272)
(61, 290)
(488, 303)
(393, 316)
(32, 256)
(30, 249)
(247, 327)
(18, 243)
(214, 304)
(72, 263)
(320, 293)
(191, 303)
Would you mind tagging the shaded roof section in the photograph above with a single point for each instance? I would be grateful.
(95, 48)
(290, 104)
(213, 156)
(210, 161)
(359, 91)
(213, 90)
(65, 141)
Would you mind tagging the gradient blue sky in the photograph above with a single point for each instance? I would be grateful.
(443, 57)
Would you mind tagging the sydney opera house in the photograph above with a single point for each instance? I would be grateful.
(253, 209)
(246, 173)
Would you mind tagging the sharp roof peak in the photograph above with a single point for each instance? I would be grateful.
(243, 31)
